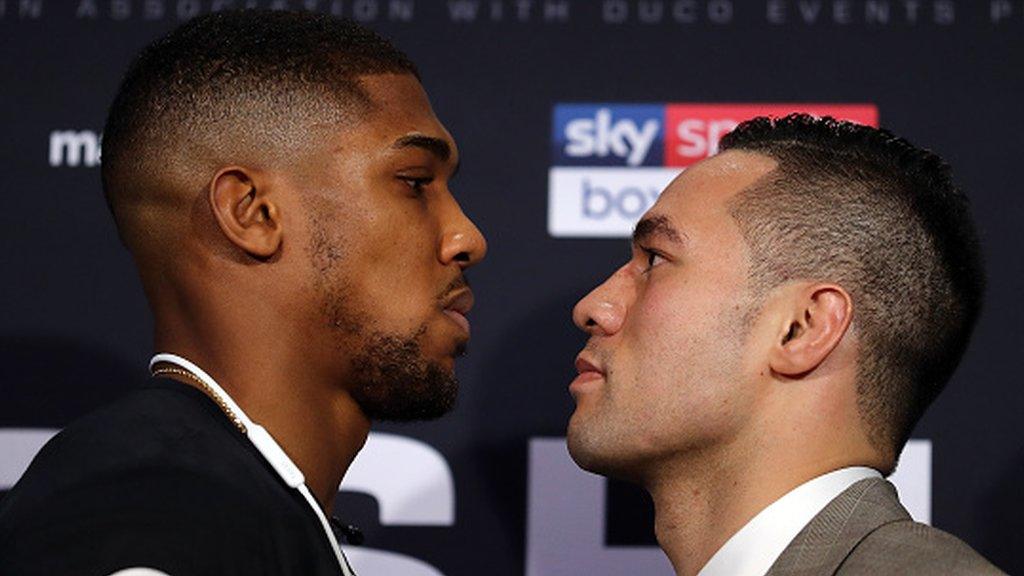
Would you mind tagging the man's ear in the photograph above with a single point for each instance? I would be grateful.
(818, 317)
(247, 215)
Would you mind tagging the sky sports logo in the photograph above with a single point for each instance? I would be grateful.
(609, 162)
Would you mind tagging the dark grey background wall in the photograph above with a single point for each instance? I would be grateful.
(75, 331)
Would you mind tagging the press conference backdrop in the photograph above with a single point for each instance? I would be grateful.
(571, 116)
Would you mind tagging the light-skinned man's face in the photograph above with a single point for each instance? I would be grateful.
(664, 372)
(386, 245)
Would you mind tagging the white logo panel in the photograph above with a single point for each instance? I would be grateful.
(591, 202)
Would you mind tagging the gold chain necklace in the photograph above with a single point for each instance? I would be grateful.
(209, 392)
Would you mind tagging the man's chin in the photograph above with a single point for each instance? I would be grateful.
(582, 447)
(423, 400)
(600, 455)
(392, 381)
(451, 359)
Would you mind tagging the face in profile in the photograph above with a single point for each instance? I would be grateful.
(386, 246)
(664, 370)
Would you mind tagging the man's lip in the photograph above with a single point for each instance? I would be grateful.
(457, 305)
(584, 365)
(460, 302)
(459, 319)
(589, 375)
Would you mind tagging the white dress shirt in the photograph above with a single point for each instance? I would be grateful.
(753, 550)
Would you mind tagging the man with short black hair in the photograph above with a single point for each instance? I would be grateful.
(282, 184)
(792, 306)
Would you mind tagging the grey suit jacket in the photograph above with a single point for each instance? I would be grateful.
(865, 530)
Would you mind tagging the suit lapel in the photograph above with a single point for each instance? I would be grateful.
(831, 535)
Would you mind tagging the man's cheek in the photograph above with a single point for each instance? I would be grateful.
(659, 315)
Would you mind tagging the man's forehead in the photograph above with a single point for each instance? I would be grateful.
(399, 119)
(698, 198)
(398, 99)
(403, 115)
(717, 179)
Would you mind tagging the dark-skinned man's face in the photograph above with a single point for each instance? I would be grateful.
(387, 245)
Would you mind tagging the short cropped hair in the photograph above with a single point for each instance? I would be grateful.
(868, 210)
(236, 86)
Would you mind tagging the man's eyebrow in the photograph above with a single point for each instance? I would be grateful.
(652, 226)
(436, 146)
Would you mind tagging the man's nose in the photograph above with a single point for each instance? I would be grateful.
(461, 241)
(602, 312)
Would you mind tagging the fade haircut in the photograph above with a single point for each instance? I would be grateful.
(870, 211)
(250, 86)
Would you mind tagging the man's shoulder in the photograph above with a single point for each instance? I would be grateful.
(167, 429)
(908, 547)
(175, 520)
(154, 421)
(865, 530)
(160, 476)
(166, 443)
(163, 409)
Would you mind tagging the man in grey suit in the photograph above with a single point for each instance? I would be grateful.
(791, 307)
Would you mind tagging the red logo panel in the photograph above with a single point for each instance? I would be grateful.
(692, 131)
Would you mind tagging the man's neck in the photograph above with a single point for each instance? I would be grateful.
(317, 423)
(699, 507)
(321, 432)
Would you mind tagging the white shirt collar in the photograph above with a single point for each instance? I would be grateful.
(753, 550)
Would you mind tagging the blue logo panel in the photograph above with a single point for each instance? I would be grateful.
(608, 135)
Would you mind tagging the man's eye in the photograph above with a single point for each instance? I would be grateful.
(653, 259)
(417, 185)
